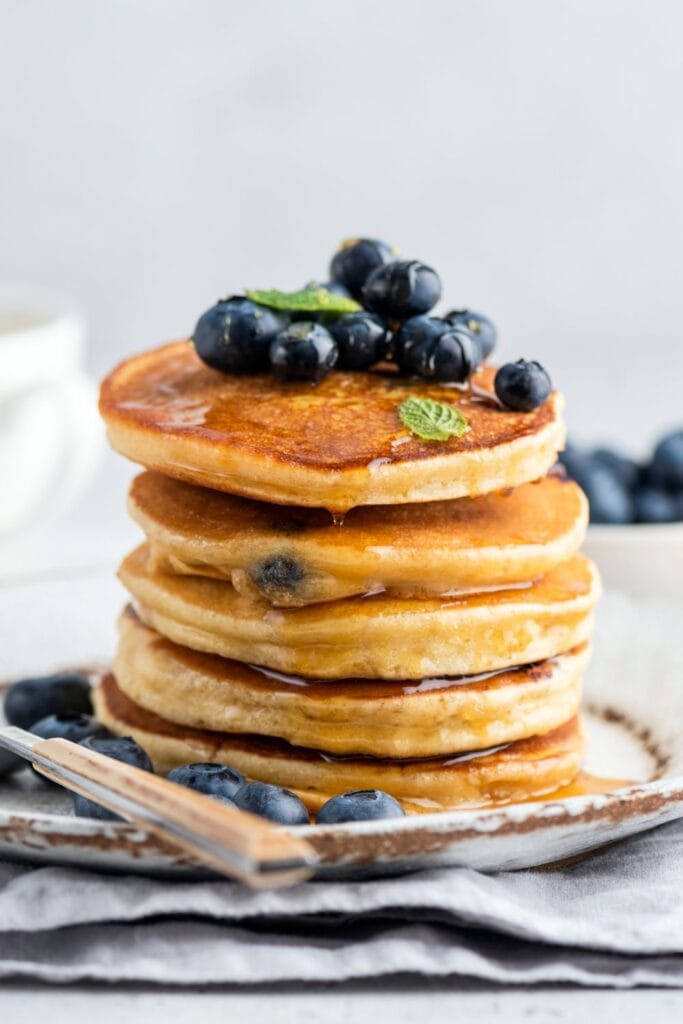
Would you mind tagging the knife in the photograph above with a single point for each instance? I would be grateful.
(227, 840)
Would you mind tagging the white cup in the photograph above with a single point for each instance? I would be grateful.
(50, 434)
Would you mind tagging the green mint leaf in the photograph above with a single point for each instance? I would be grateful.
(432, 420)
(307, 300)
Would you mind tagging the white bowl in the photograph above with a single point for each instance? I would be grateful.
(645, 560)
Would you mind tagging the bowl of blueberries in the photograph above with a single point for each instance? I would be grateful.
(636, 515)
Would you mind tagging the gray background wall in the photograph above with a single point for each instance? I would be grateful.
(154, 155)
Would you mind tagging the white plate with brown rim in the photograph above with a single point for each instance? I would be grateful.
(633, 710)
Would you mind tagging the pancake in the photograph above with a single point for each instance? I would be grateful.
(294, 557)
(334, 445)
(507, 774)
(351, 716)
(374, 637)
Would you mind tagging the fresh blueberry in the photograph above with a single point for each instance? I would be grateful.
(480, 326)
(667, 462)
(609, 500)
(29, 700)
(655, 506)
(10, 763)
(355, 260)
(523, 385)
(72, 726)
(217, 780)
(359, 805)
(433, 348)
(120, 748)
(303, 351)
(272, 802)
(362, 339)
(277, 575)
(402, 289)
(235, 335)
(624, 468)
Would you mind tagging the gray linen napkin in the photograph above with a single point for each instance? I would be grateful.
(615, 919)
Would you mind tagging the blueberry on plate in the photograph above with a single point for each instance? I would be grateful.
(667, 462)
(29, 700)
(402, 289)
(10, 763)
(523, 385)
(303, 351)
(354, 261)
(235, 335)
(479, 326)
(120, 748)
(272, 802)
(362, 339)
(216, 780)
(433, 348)
(71, 725)
(359, 805)
(628, 471)
(652, 505)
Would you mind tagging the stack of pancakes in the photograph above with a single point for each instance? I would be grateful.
(328, 602)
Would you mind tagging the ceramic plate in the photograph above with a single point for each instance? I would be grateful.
(633, 707)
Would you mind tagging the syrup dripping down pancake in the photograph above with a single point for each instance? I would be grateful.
(375, 637)
(384, 719)
(335, 445)
(294, 557)
(508, 774)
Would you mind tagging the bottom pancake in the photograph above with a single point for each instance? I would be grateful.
(409, 718)
(509, 773)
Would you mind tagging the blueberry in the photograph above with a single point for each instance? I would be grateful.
(120, 748)
(216, 780)
(10, 763)
(73, 726)
(655, 506)
(303, 351)
(359, 805)
(523, 385)
(609, 500)
(272, 802)
(667, 462)
(235, 335)
(277, 574)
(480, 326)
(402, 289)
(624, 468)
(29, 700)
(362, 339)
(433, 348)
(355, 260)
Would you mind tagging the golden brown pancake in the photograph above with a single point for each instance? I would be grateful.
(374, 637)
(420, 718)
(514, 772)
(334, 445)
(294, 557)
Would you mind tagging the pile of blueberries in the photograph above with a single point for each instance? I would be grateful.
(620, 490)
(59, 706)
(238, 336)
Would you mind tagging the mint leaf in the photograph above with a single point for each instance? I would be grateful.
(306, 300)
(432, 420)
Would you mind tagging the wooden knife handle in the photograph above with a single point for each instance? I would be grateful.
(265, 855)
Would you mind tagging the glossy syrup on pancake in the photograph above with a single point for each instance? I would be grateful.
(336, 445)
(292, 557)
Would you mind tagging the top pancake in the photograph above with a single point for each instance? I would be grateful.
(334, 445)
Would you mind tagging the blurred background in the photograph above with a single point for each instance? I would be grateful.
(158, 155)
